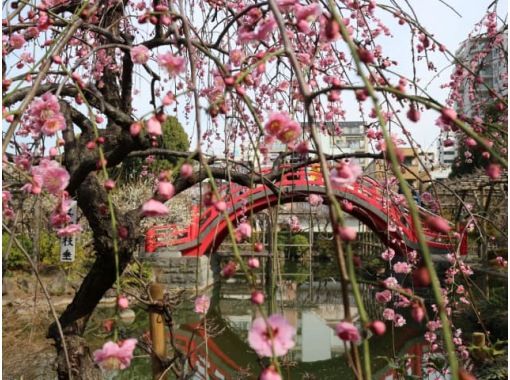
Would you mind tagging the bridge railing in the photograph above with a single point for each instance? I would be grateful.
(366, 188)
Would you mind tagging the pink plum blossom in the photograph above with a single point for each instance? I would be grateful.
(282, 127)
(115, 356)
(265, 28)
(174, 65)
(70, 230)
(44, 116)
(383, 297)
(49, 175)
(448, 115)
(17, 41)
(430, 337)
(290, 132)
(306, 15)
(390, 282)
(348, 332)
(140, 54)
(388, 254)
(346, 173)
(413, 114)
(401, 267)
(154, 127)
(276, 122)
(243, 231)
(315, 200)
(277, 336)
(399, 320)
(153, 208)
(388, 314)
(236, 57)
(202, 304)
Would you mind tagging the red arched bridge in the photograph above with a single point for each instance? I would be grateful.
(371, 203)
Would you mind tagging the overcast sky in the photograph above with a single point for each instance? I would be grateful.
(448, 28)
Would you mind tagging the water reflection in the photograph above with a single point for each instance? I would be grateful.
(318, 353)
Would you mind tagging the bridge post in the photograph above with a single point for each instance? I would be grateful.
(157, 329)
(271, 237)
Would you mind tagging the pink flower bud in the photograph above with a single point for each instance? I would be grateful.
(123, 232)
(253, 263)
(168, 99)
(413, 114)
(109, 184)
(346, 205)
(220, 206)
(166, 190)
(470, 142)
(348, 332)
(229, 270)
(229, 81)
(366, 56)
(270, 373)
(346, 233)
(493, 171)
(258, 247)
(186, 170)
(257, 297)
(135, 129)
(448, 115)
(417, 312)
(438, 224)
(377, 327)
(123, 302)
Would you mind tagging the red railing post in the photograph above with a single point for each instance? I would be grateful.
(150, 240)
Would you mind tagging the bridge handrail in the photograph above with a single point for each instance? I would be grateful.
(368, 189)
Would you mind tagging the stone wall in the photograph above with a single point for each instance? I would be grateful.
(177, 271)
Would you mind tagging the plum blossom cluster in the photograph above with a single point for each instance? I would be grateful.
(49, 175)
(7, 210)
(283, 128)
(115, 356)
(43, 117)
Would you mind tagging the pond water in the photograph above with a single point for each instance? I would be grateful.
(314, 311)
